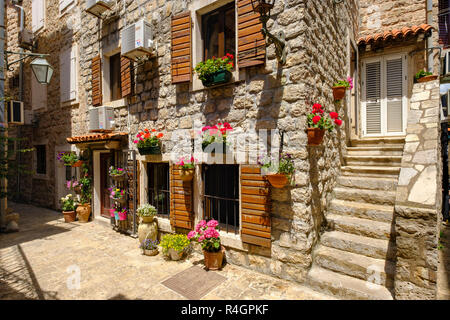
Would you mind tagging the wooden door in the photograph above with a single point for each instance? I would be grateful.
(105, 183)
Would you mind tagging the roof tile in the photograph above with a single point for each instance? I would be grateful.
(93, 137)
(395, 34)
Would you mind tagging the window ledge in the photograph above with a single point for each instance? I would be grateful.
(70, 103)
(232, 240)
(164, 224)
(120, 103)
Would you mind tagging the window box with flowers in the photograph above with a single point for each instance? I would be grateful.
(207, 234)
(118, 174)
(187, 169)
(215, 138)
(340, 87)
(278, 173)
(148, 142)
(215, 71)
(318, 123)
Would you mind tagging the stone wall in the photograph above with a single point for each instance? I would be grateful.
(418, 201)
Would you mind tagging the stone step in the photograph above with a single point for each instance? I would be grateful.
(362, 210)
(358, 226)
(339, 285)
(394, 150)
(379, 271)
(365, 195)
(370, 247)
(373, 183)
(364, 160)
(372, 171)
(378, 142)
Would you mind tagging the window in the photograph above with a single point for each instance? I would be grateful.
(444, 22)
(159, 188)
(384, 95)
(219, 32)
(68, 78)
(37, 14)
(221, 195)
(63, 4)
(41, 159)
(114, 77)
(38, 94)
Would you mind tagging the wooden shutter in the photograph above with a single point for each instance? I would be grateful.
(64, 79)
(73, 73)
(181, 213)
(251, 42)
(37, 14)
(372, 88)
(181, 48)
(125, 76)
(394, 94)
(97, 81)
(255, 202)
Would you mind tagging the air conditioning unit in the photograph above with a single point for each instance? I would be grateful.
(97, 7)
(137, 40)
(26, 39)
(15, 112)
(101, 118)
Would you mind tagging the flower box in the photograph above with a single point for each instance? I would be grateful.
(315, 136)
(216, 78)
(427, 78)
(149, 150)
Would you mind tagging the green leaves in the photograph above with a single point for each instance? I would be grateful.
(210, 66)
(422, 73)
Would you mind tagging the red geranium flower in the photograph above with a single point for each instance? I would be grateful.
(334, 115)
(338, 122)
(160, 135)
(316, 119)
(146, 130)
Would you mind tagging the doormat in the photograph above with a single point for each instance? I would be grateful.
(194, 283)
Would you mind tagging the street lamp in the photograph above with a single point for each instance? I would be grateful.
(42, 70)
(263, 7)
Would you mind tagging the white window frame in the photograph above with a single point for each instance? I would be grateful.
(38, 25)
(383, 100)
(65, 6)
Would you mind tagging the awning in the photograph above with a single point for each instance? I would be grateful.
(396, 35)
(96, 137)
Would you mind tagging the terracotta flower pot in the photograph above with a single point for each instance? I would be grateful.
(277, 180)
(315, 136)
(213, 260)
(69, 216)
(339, 92)
(83, 212)
(427, 78)
(187, 174)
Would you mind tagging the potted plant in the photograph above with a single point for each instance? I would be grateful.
(174, 245)
(118, 174)
(216, 70)
(73, 185)
(149, 247)
(68, 208)
(215, 137)
(424, 76)
(69, 158)
(207, 234)
(318, 123)
(117, 194)
(148, 226)
(340, 87)
(147, 212)
(279, 173)
(84, 208)
(148, 142)
(187, 169)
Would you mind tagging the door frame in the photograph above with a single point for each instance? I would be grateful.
(383, 100)
(97, 184)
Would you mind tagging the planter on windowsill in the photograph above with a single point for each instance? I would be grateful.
(149, 150)
(277, 180)
(427, 78)
(339, 92)
(315, 136)
(216, 78)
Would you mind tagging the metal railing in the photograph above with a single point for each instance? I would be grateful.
(224, 210)
(160, 199)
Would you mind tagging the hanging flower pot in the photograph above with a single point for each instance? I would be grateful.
(427, 78)
(214, 260)
(339, 92)
(121, 200)
(315, 136)
(187, 174)
(277, 180)
(69, 216)
(77, 164)
(149, 150)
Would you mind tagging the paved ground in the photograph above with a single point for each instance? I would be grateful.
(36, 263)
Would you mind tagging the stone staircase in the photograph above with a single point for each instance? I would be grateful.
(354, 259)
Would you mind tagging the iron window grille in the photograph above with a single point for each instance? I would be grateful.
(159, 188)
(444, 22)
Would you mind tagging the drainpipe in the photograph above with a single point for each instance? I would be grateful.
(429, 44)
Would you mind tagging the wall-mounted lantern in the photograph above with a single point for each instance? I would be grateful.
(42, 70)
(263, 7)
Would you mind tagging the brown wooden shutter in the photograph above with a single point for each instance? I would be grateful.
(251, 42)
(181, 48)
(181, 213)
(255, 202)
(97, 81)
(126, 76)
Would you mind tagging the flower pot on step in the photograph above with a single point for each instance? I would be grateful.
(315, 136)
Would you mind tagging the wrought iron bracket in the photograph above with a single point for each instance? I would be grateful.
(25, 54)
(279, 40)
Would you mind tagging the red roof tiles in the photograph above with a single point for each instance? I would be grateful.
(93, 137)
(395, 34)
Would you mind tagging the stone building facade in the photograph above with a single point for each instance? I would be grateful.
(326, 42)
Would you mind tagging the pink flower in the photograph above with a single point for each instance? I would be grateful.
(191, 234)
(200, 239)
(202, 223)
(135, 141)
(212, 223)
(350, 81)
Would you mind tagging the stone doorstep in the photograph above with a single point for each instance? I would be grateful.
(386, 151)
(345, 287)
(370, 196)
(355, 265)
(376, 212)
(370, 247)
(373, 183)
(378, 142)
(361, 227)
(371, 170)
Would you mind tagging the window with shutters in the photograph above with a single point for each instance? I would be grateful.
(38, 95)
(114, 77)
(444, 22)
(384, 95)
(41, 159)
(68, 70)
(221, 195)
(37, 15)
(159, 187)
